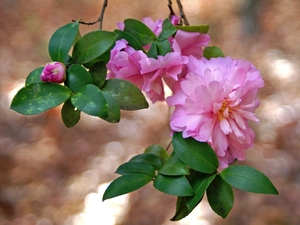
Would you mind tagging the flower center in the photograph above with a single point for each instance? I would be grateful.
(223, 108)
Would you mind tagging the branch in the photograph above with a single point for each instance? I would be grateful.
(182, 15)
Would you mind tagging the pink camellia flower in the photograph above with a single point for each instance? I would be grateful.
(213, 104)
(54, 72)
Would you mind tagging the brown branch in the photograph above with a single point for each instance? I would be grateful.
(182, 15)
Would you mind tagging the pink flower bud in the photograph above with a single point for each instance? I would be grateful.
(54, 72)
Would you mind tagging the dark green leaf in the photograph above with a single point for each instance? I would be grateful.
(92, 45)
(126, 94)
(158, 151)
(168, 29)
(98, 72)
(152, 53)
(126, 184)
(173, 185)
(220, 196)
(35, 98)
(136, 167)
(132, 41)
(174, 166)
(91, 100)
(77, 77)
(181, 209)
(212, 52)
(114, 112)
(62, 41)
(147, 158)
(163, 47)
(197, 155)
(248, 179)
(70, 116)
(201, 29)
(140, 31)
(34, 76)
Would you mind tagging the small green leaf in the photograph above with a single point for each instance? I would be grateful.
(173, 185)
(126, 94)
(147, 158)
(140, 31)
(132, 41)
(163, 47)
(70, 116)
(201, 29)
(114, 112)
(92, 45)
(34, 76)
(62, 41)
(197, 155)
(158, 151)
(168, 29)
(125, 184)
(91, 100)
(152, 53)
(36, 98)
(181, 209)
(98, 72)
(136, 167)
(212, 52)
(174, 167)
(77, 77)
(220, 196)
(248, 179)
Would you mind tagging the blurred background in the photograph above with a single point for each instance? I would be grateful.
(52, 175)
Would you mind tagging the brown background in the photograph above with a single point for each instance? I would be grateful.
(50, 174)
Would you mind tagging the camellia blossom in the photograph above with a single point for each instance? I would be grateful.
(213, 104)
(54, 72)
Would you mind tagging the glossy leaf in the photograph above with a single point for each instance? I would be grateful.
(173, 185)
(220, 196)
(201, 29)
(132, 41)
(174, 166)
(212, 52)
(98, 73)
(168, 29)
(197, 155)
(125, 184)
(147, 158)
(163, 47)
(181, 209)
(70, 116)
(77, 77)
(152, 53)
(92, 45)
(114, 111)
(248, 179)
(62, 41)
(136, 167)
(128, 96)
(91, 100)
(35, 98)
(140, 31)
(158, 151)
(34, 76)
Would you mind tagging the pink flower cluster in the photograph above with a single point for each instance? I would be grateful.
(213, 99)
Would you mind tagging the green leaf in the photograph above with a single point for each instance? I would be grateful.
(212, 52)
(147, 158)
(220, 196)
(98, 72)
(34, 76)
(174, 167)
(70, 116)
(91, 100)
(132, 41)
(136, 167)
(168, 29)
(173, 185)
(125, 184)
(62, 41)
(77, 77)
(152, 53)
(92, 45)
(140, 31)
(201, 29)
(181, 209)
(163, 47)
(248, 179)
(128, 96)
(197, 155)
(158, 151)
(35, 98)
(114, 112)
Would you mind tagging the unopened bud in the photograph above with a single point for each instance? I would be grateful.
(54, 72)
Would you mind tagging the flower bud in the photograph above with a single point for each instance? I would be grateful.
(54, 72)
